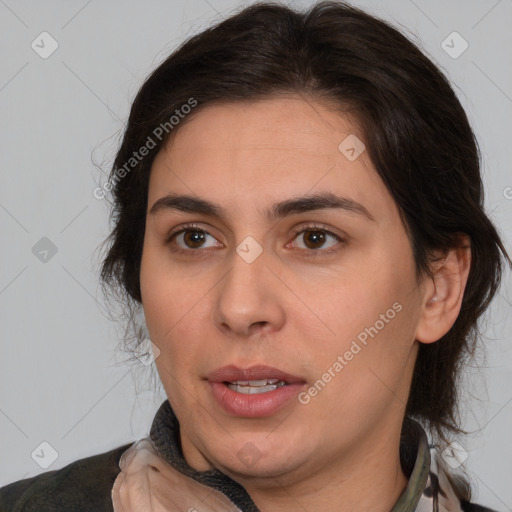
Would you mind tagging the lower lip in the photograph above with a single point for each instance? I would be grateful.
(254, 406)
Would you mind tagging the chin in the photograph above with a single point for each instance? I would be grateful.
(267, 470)
(260, 459)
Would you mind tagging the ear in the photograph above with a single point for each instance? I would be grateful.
(443, 292)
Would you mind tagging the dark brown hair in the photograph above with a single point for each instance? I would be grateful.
(415, 131)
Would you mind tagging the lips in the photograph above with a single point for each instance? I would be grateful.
(253, 392)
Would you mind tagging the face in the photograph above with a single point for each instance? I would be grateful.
(281, 291)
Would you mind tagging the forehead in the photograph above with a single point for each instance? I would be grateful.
(248, 153)
(286, 123)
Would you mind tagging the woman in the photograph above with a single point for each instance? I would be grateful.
(299, 212)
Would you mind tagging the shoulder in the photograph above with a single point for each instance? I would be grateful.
(473, 507)
(83, 485)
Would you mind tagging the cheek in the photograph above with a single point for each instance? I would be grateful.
(162, 300)
(373, 310)
(371, 293)
(176, 310)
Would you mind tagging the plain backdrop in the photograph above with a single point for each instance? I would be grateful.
(63, 379)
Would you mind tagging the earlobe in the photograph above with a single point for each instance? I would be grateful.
(444, 292)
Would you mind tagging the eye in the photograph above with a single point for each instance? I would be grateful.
(313, 240)
(315, 237)
(190, 238)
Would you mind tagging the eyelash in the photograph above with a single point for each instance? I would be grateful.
(302, 229)
(312, 253)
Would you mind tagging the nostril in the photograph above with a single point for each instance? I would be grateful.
(259, 325)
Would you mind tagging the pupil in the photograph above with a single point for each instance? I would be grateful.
(194, 237)
(316, 236)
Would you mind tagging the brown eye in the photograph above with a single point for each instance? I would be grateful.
(194, 238)
(314, 239)
(191, 238)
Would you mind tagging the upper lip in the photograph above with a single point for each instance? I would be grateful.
(233, 373)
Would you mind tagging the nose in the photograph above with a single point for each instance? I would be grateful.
(249, 299)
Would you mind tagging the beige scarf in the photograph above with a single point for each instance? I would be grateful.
(148, 483)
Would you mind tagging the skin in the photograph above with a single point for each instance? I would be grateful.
(295, 307)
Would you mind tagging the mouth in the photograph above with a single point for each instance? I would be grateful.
(253, 392)
(254, 387)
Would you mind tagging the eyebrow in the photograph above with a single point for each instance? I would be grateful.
(321, 201)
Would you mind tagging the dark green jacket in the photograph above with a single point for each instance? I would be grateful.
(84, 485)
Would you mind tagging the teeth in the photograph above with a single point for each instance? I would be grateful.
(262, 382)
(253, 387)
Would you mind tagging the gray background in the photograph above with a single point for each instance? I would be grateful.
(62, 376)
